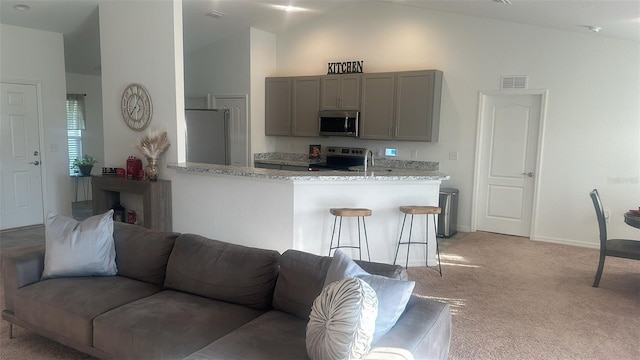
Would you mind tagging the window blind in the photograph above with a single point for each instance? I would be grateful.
(75, 124)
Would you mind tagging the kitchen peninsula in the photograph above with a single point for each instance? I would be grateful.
(280, 210)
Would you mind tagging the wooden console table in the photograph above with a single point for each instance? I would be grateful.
(156, 198)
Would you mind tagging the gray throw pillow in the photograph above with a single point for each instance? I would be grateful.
(342, 321)
(74, 248)
(393, 295)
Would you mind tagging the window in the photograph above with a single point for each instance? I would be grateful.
(75, 124)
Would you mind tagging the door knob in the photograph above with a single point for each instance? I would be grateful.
(529, 174)
(35, 162)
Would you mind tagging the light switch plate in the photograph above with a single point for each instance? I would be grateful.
(454, 155)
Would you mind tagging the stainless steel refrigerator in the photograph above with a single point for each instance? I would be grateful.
(208, 136)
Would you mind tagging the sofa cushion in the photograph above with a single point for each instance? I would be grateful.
(67, 306)
(142, 253)
(342, 321)
(79, 248)
(167, 325)
(275, 335)
(392, 294)
(222, 271)
(300, 281)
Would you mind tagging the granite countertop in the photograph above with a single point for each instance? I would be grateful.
(291, 159)
(277, 158)
(375, 173)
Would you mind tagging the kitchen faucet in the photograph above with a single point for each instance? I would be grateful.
(366, 160)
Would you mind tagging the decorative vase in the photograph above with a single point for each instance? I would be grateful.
(152, 169)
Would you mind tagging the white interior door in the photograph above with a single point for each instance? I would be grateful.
(238, 128)
(20, 169)
(507, 161)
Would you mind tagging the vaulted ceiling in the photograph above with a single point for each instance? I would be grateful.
(78, 20)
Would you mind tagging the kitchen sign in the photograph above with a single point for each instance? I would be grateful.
(346, 67)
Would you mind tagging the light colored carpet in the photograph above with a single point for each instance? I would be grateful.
(511, 299)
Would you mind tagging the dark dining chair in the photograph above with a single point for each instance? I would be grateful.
(622, 248)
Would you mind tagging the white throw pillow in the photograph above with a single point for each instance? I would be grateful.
(74, 248)
(393, 295)
(342, 321)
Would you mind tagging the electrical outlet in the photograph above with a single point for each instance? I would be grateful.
(454, 155)
(414, 154)
(53, 147)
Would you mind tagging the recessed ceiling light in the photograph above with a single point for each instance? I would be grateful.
(215, 14)
(21, 7)
(289, 8)
(505, 2)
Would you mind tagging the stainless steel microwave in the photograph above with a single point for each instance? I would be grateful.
(340, 123)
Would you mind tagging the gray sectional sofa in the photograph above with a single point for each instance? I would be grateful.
(188, 297)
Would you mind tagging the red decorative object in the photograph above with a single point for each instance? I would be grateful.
(131, 217)
(121, 173)
(134, 167)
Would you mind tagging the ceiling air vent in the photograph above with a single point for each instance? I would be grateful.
(514, 82)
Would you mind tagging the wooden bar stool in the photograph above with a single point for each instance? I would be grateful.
(419, 210)
(350, 212)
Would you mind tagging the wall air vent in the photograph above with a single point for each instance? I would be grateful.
(514, 82)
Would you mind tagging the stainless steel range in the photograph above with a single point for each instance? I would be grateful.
(341, 158)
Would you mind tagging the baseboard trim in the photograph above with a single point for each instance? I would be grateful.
(570, 242)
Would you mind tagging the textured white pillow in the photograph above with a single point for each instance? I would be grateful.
(393, 295)
(342, 321)
(74, 248)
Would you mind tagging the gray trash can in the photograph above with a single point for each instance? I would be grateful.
(448, 219)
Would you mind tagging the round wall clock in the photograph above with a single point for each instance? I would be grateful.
(136, 107)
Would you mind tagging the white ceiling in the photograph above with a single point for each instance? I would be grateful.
(78, 19)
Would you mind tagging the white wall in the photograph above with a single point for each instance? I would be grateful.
(37, 57)
(222, 68)
(263, 63)
(592, 128)
(236, 65)
(139, 45)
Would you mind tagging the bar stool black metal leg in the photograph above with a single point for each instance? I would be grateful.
(399, 239)
(435, 226)
(359, 241)
(366, 238)
(339, 232)
(333, 232)
(426, 241)
(406, 264)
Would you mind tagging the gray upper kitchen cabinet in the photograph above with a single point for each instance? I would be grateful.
(401, 106)
(340, 92)
(291, 105)
(306, 104)
(418, 95)
(277, 106)
(377, 110)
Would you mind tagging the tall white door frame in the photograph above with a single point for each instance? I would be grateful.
(480, 142)
(41, 143)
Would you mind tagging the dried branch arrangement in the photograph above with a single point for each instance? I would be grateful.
(153, 144)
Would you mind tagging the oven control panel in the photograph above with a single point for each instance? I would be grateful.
(345, 151)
